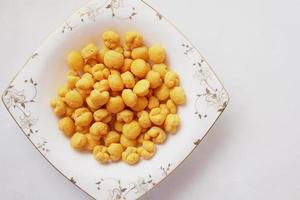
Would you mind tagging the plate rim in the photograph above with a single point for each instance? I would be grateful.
(52, 33)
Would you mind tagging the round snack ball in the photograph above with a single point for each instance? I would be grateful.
(133, 40)
(99, 129)
(115, 151)
(141, 88)
(82, 117)
(140, 52)
(141, 104)
(177, 95)
(102, 115)
(126, 142)
(89, 51)
(157, 116)
(162, 93)
(171, 123)
(115, 104)
(78, 140)
(156, 54)
(111, 137)
(128, 79)
(91, 142)
(171, 106)
(153, 102)
(111, 39)
(131, 156)
(157, 134)
(171, 79)
(161, 69)
(118, 126)
(126, 65)
(75, 61)
(113, 59)
(129, 97)
(59, 107)
(66, 125)
(154, 78)
(100, 154)
(131, 130)
(139, 68)
(125, 116)
(73, 99)
(144, 119)
(115, 82)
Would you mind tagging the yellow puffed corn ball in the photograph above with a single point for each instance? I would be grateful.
(147, 150)
(92, 62)
(161, 69)
(141, 88)
(125, 116)
(162, 93)
(140, 52)
(85, 82)
(99, 129)
(75, 61)
(102, 85)
(131, 156)
(171, 79)
(114, 71)
(129, 97)
(125, 142)
(82, 117)
(126, 65)
(97, 72)
(133, 40)
(118, 126)
(139, 68)
(171, 106)
(157, 134)
(115, 104)
(89, 51)
(78, 140)
(82, 129)
(73, 99)
(154, 78)
(102, 115)
(177, 95)
(91, 142)
(157, 116)
(119, 49)
(111, 39)
(87, 69)
(153, 102)
(128, 79)
(59, 107)
(127, 53)
(100, 153)
(156, 54)
(66, 125)
(97, 99)
(144, 119)
(115, 151)
(111, 137)
(113, 59)
(140, 138)
(171, 123)
(141, 104)
(62, 91)
(115, 82)
(72, 79)
(131, 130)
(164, 108)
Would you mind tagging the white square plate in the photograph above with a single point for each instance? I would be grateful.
(28, 95)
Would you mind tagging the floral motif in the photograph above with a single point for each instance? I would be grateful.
(67, 27)
(118, 191)
(18, 101)
(114, 5)
(215, 96)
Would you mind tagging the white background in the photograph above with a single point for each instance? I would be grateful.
(253, 151)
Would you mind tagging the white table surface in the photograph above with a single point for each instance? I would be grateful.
(253, 151)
